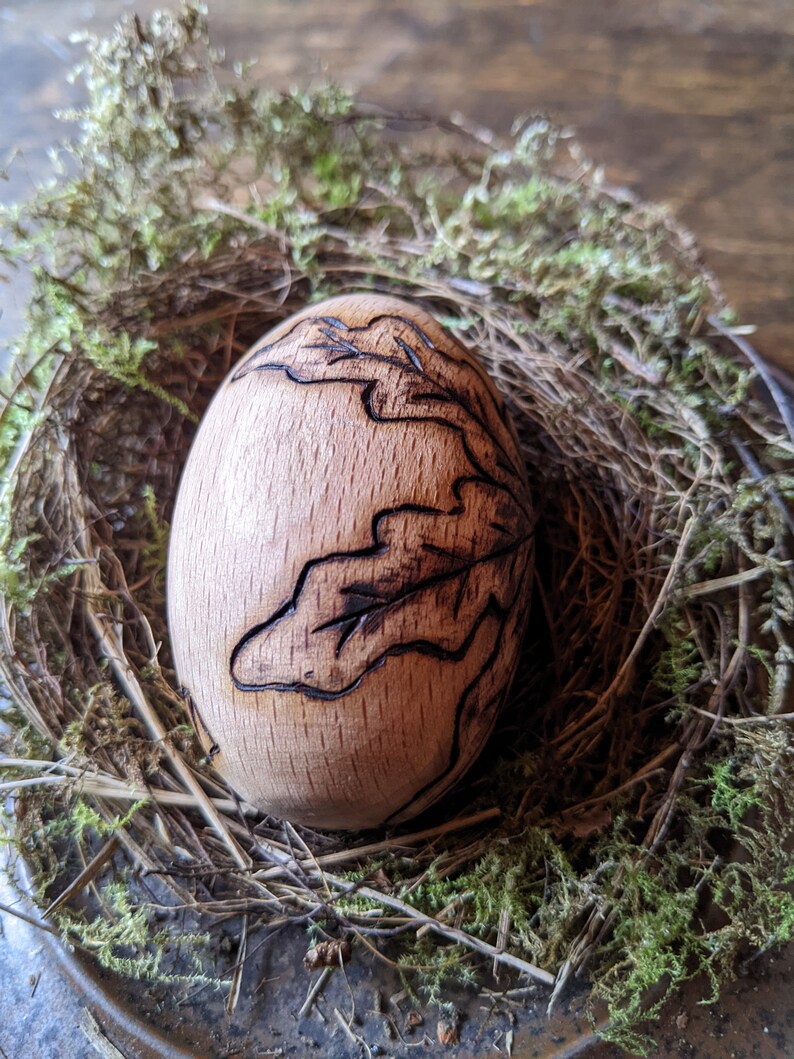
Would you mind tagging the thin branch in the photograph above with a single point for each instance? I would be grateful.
(87, 875)
(782, 401)
(460, 937)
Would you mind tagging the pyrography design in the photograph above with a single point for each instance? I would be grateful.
(359, 608)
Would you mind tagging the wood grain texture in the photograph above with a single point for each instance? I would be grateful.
(688, 104)
(349, 566)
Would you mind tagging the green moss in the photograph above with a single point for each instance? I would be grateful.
(660, 900)
(156, 533)
(658, 953)
(82, 817)
(680, 664)
(436, 967)
(125, 942)
(730, 798)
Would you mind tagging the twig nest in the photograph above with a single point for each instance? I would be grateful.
(655, 684)
(349, 565)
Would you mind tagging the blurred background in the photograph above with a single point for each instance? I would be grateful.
(688, 102)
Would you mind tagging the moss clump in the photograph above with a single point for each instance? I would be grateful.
(632, 814)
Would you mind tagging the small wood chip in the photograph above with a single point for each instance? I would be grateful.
(327, 954)
(412, 1020)
(447, 1032)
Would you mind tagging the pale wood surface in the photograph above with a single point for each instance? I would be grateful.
(349, 570)
(688, 103)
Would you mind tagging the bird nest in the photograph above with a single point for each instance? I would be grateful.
(632, 814)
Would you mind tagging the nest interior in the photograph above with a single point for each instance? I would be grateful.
(631, 816)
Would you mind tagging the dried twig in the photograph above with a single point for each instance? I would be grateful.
(317, 987)
(97, 1039)
(90, 872)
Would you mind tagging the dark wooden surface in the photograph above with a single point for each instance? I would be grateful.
(688, 103)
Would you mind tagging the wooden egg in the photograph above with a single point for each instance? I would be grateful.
(349, 566)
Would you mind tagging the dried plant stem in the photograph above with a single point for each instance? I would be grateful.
(87, 875)
(459, 937)
(720, 584)
(31, 920)
(783, 403)
(239, 965)
(97, 1039)
(112, 649)
(317, 987)
(761, 718)
(372, 849)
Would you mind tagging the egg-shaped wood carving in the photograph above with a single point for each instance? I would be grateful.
(349, 566)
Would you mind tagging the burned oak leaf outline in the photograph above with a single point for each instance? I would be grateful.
(350, 611)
